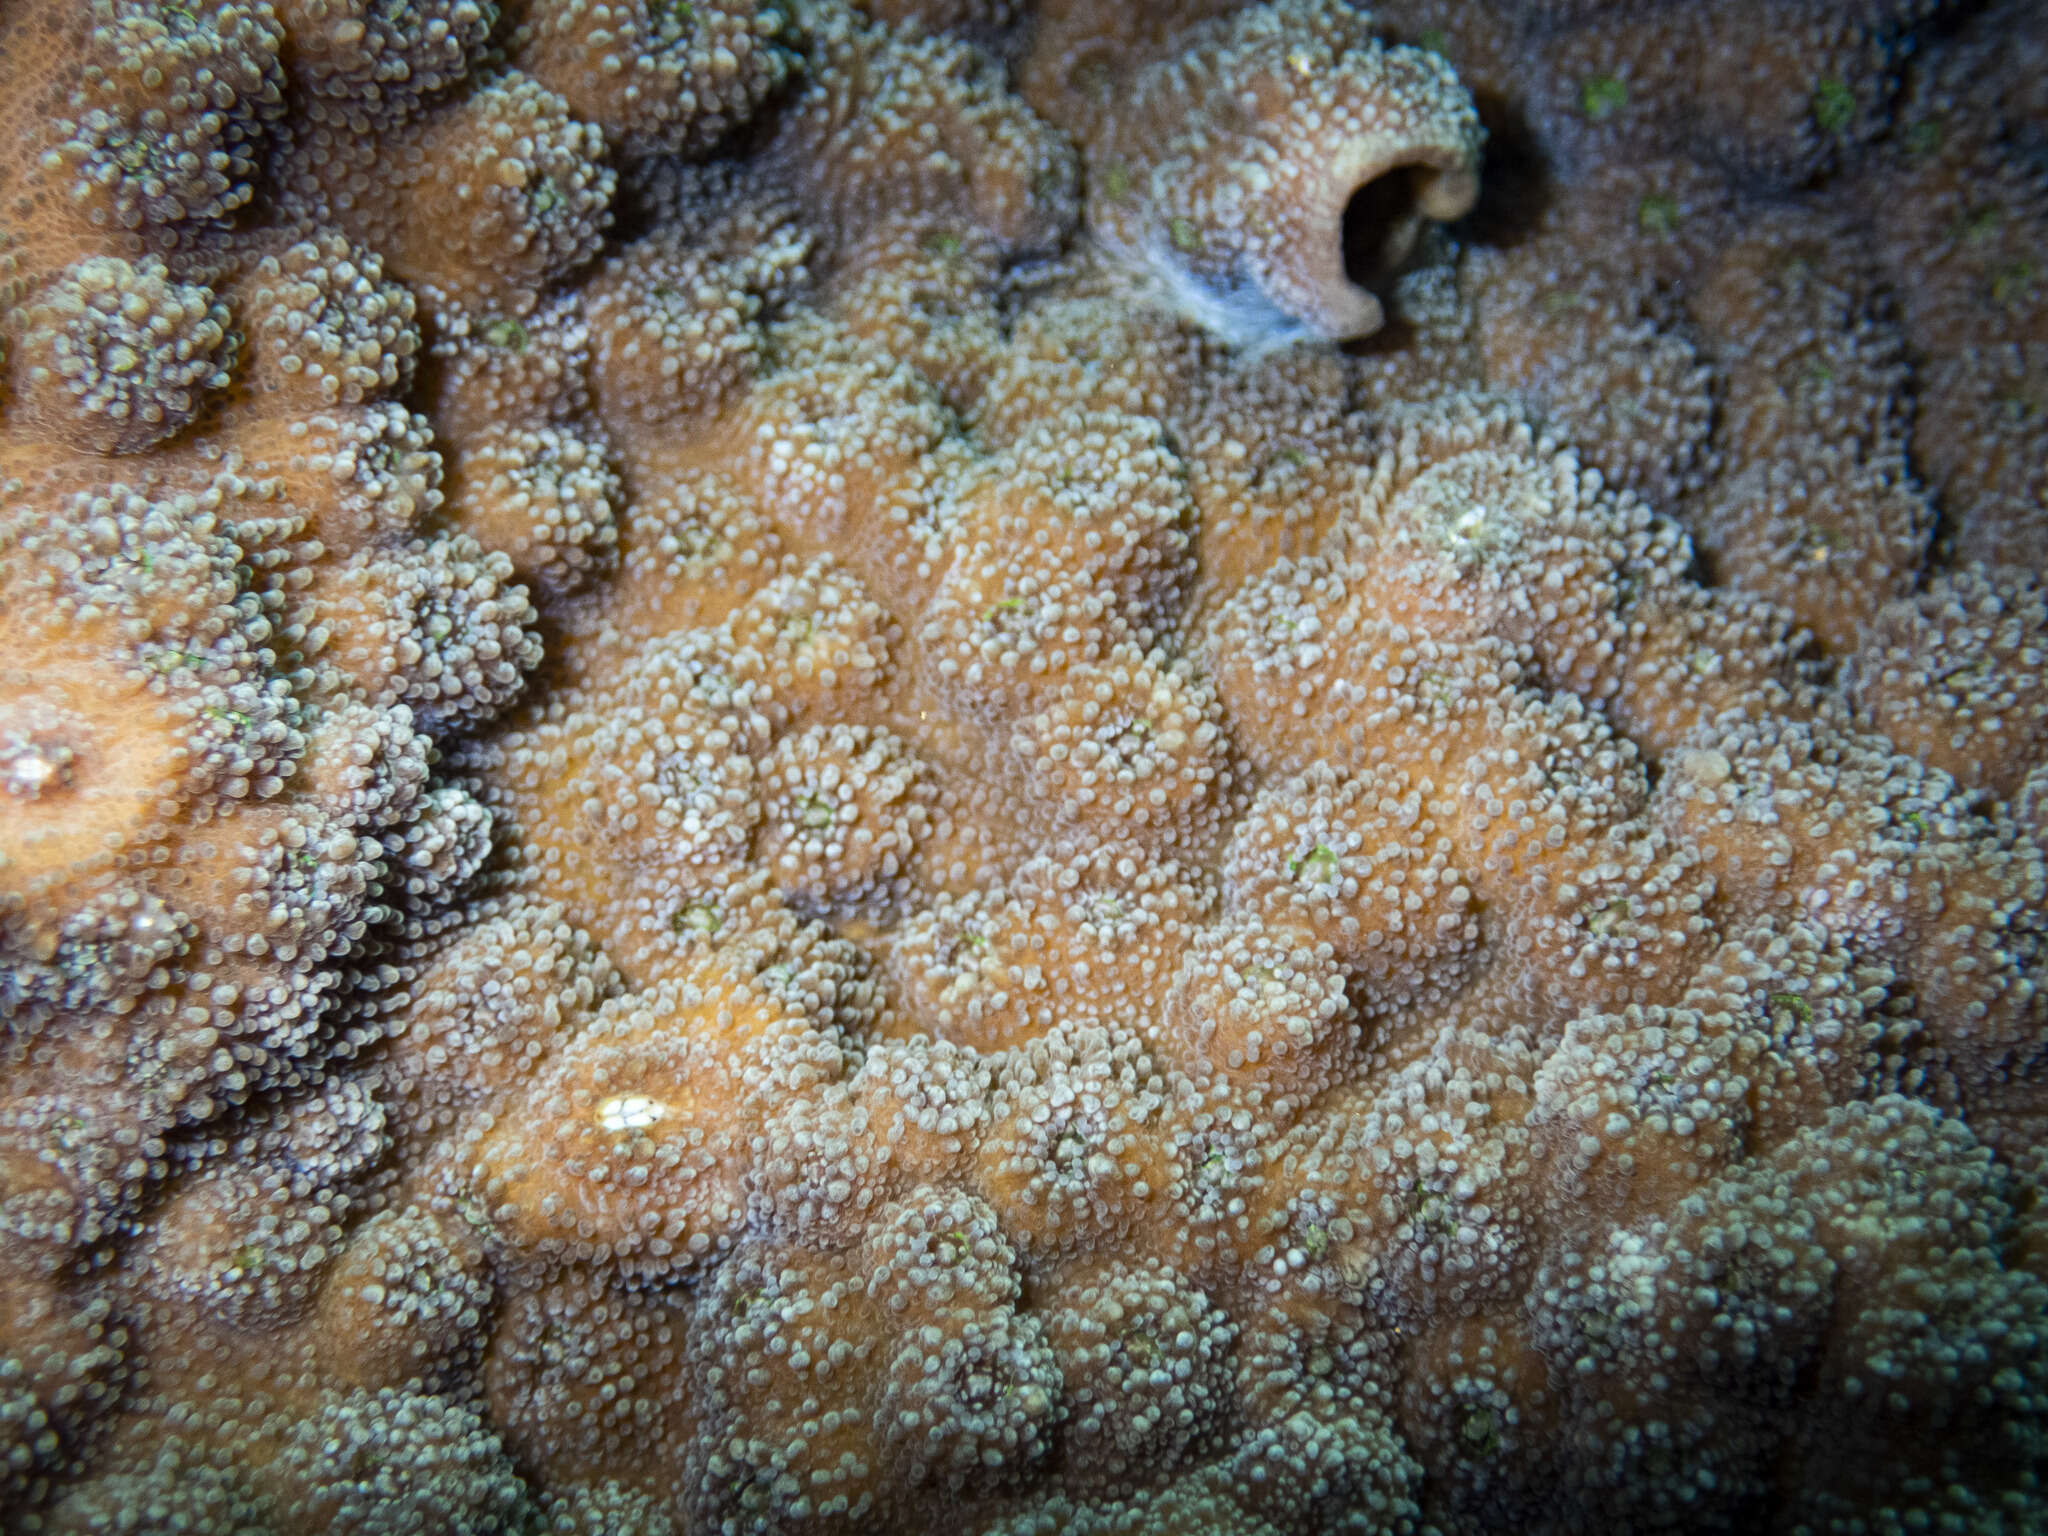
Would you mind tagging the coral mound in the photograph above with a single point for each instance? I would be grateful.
(956, 767)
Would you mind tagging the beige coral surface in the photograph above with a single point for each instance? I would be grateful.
(1144, 768)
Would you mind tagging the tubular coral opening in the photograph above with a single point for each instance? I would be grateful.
(1271, 169)
(1384, 216)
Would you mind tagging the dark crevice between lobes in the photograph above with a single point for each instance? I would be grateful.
(1382, 221)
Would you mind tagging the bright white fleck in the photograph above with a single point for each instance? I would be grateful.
(630, 1112)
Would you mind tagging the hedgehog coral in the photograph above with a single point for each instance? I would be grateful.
(753, 787)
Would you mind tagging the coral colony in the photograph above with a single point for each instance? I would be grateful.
(1134, 767)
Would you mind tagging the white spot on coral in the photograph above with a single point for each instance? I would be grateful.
(630, 1112)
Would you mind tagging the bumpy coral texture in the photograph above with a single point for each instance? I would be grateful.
(1113, 768)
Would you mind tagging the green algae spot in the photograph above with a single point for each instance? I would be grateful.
(1605, 919)
(2011, 284)
(1834, 106)
(1116, 183)
(1603, 96)
(1818, 543)
(1801, 1009)
(815, 812)
(1279, 464)
(1480, 1432)
(1979, 224)
(504, 332)
(1924, 137)
(943, 243)
(1436, 687)
(698, 918)
(1128, 737)
(1184, 235)
(1657, 215)
(964, 942)
(1431, 1212)
(1319, 865)
(1434, 41)
(1105, 909)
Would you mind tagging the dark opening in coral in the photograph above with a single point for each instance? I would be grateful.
(1380, 223)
